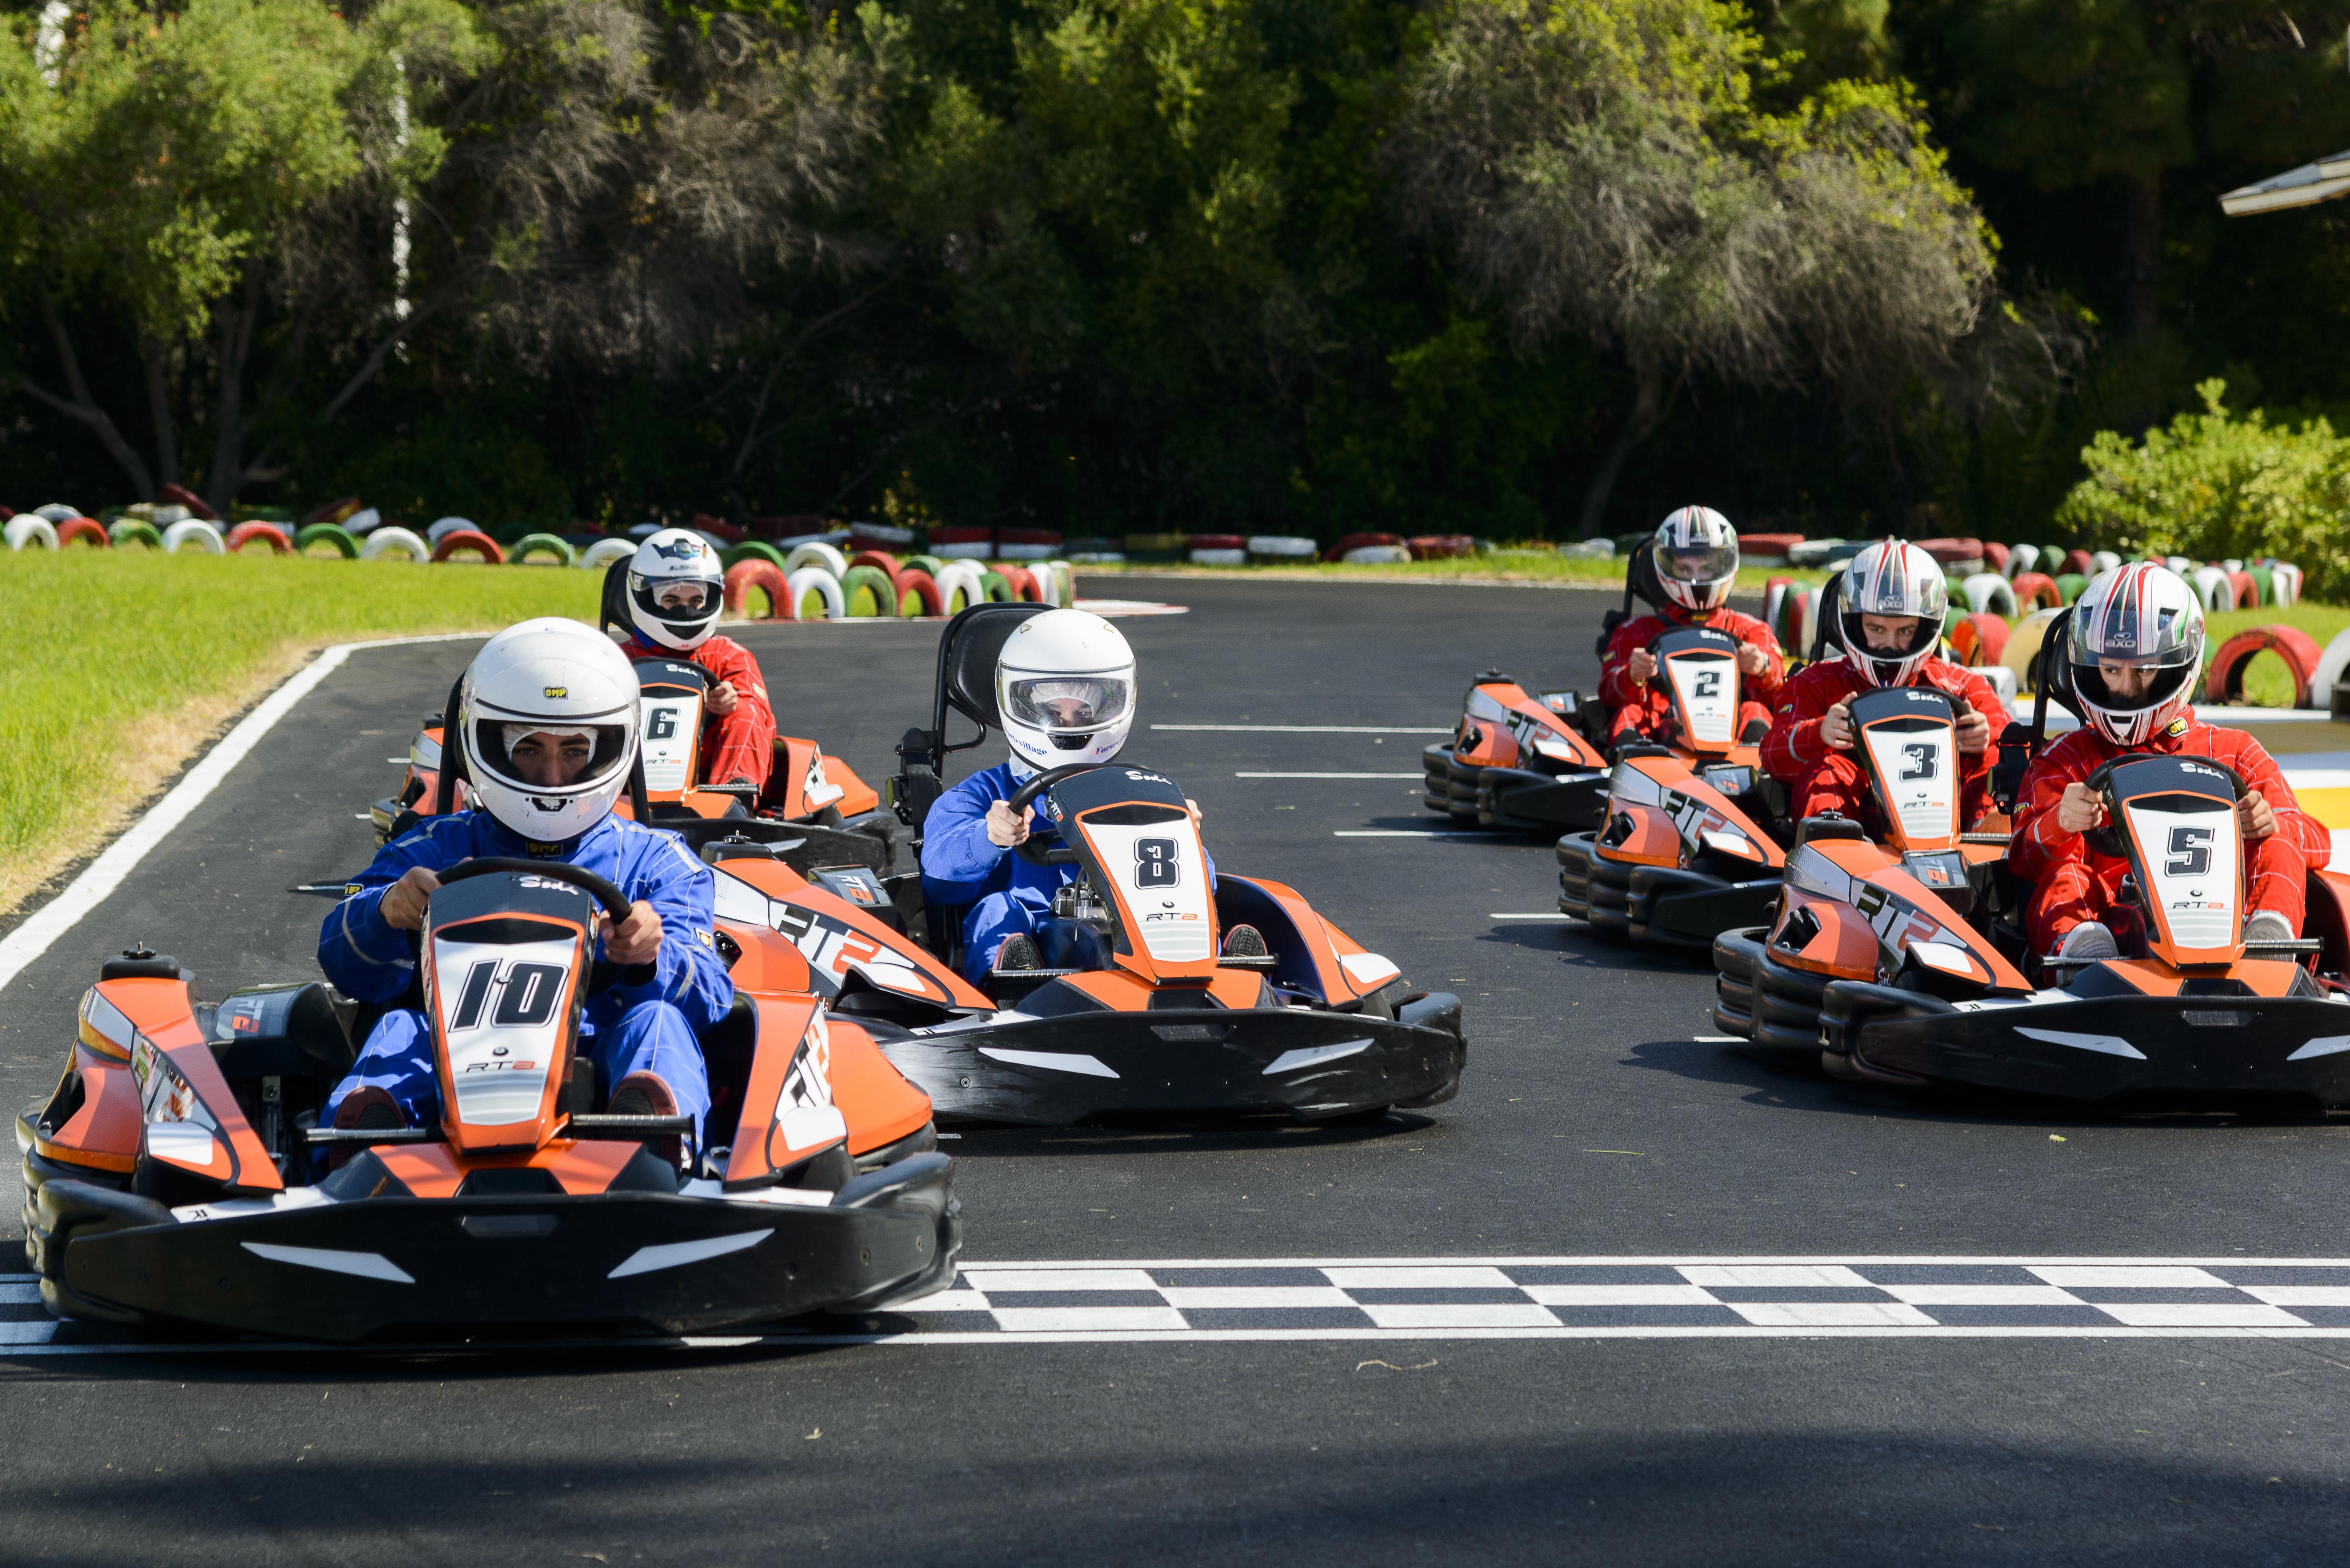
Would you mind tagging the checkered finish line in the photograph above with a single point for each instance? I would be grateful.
(1512, 1298)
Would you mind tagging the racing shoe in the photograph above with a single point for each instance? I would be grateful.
(1244, 942)
(2268, 926)
(644, 1095)
(1018, 953)
(366, 1109)
(2090, 941)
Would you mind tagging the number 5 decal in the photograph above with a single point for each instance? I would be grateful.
(1154, 863)
(2190, 852)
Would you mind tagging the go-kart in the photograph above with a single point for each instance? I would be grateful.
(1137, 1009)
(813, 807)
(1519, 761)
(1899, 983)
(170, 1178)
(1685, 851)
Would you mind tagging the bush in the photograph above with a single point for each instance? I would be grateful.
(2215, 484)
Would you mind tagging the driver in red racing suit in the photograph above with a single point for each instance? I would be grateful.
(2135, 647)
(676, 591)
(1695, 553)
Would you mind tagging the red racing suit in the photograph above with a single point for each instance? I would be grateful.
(1825, 780)
(1644, 710)
(742, 744)
(2071, 882)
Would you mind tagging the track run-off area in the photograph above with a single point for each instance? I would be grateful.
(1635, 1295)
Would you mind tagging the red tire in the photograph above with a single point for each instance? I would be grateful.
(2037, 590)
(1768, 543)
(2080, 561)
(1979, 639)
(244, 533)
(88, 529)
(1337, 552)
(2247, 592)
(472, 539)
(1953, 551)
(923, 586)
(1024, 585)
(1219, 542)
(1440, 546)
(1994, 556)
(2225, 680)
(879, 560)
(745, 576)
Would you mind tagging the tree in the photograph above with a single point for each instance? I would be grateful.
(1605, 170)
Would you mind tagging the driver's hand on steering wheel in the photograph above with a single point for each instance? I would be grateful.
(2080, 809)
(1004, 829)
(636, 940)
(1643, 666)
(722, 698)
(2255, 818)
(402, 905)
(1751, 660)
(1974, 731)
(1835, 728)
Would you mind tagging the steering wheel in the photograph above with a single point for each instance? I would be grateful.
(614, 902)
(2105, 836)
(1023, 797)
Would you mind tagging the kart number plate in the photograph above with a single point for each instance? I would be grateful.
(672, 725)
(1706, 684)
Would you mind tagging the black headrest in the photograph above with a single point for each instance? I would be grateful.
(1828, 625)
(614, 611)
(967, 652)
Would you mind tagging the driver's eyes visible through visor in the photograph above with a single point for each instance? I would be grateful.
(490, 741)
(684, 598)
(1081, 703)
(1698, 566)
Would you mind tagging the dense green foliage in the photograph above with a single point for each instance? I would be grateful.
(1511, 266)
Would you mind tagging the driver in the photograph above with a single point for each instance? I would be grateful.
(548, 717)
(676, 590)
(1697, 561)
(2134, 646)
(1065, 691)
(1888, 623)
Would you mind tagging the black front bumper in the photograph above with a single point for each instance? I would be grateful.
(344, 1272)
(2188, 1050)
(1667, 906)
(1313, 1065)
(1511, 800)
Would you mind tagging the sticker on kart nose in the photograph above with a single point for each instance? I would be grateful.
(670, 727)
(1164, 885)
(834, 950)
(1707, 685)
(1918, 771)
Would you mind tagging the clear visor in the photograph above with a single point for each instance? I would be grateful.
(677, 598)
(2165, 639)
(558, 757)
(1709, 565)
(1070, 704)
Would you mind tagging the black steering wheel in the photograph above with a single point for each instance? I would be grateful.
(2105, 836)
(1028, 848)
(615, 903)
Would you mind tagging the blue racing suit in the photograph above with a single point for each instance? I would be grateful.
(1008, 896)
(627, 1028)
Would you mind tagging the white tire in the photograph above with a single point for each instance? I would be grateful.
(1281, 547)
(1367, 555)
(1988, 592)
(1771, 598)
(2106, 561)
(196, 530)
(38, 531)
(604, 552)
(2211, 586)
(1053, 581)
(2331, 664)
(387, 539)
(2020, 558)
(2179, 563)
(961, 579)
(447, 525)
(1239, 557)
(816, 554)
(366, 520)
(799, 584)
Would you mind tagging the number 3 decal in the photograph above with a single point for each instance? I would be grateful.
(1154, 863)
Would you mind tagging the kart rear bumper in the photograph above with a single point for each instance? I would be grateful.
(2169, 1049)
(1512, 799)
(344, 1271)
(1314, 1065)
(1665, 905)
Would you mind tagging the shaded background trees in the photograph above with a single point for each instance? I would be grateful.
(1299, 265)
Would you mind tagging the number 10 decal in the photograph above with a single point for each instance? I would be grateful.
(529, 993)
(1154, 863)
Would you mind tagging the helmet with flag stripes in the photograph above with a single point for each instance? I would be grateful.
(1695, 552)
(1894, 579)
(2141, 617)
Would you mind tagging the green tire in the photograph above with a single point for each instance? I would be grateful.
(2070, 586)
(752, 550)
(546, 544)
(930, 564)
(870, 593)
(346, 544)
(999, 591)
(134, 531)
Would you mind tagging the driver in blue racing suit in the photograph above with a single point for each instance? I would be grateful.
(548, 720)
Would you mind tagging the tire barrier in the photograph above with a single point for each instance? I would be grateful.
(2247, 592)
(917, 593)
(814, 584)
(1025, 590)
(2071, 587)
(1775, 593)
(1349, 543)
(748, 550)
(29, 529)
(1378, 556)
(268, 533)
(744, 578)
(2104, 561)
(126, 531)
(604, 552)
(553, 545)
(814, 554)
(461, 539)
(1979, 638)
(960, 587)
(2288, 581)
(2036, 590)
(1995, 556)
(1988, 592)
(2022, 649)
(196, 530)
(2224, 682)
(1767, 549)
(86, 529)
(930, 564)
(2211, 586)
(440, 528)
(1062, 577)
(2333, 666)
(1282, 549)
(2020, 558)
(1440, 546)
(869, 593)
(390, 539)
(2076, 561)
(998, 590)
(346, 544)
(879, 560)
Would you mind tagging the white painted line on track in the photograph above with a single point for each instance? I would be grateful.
(1537, 916)
(1405, 833)
(1329, 775)
(1318, 729)
(1709, 1039)
(102, 875)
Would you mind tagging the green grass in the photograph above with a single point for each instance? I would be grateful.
(1541, 567)
(121, 661)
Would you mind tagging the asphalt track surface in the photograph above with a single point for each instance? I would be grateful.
(1593, 1124)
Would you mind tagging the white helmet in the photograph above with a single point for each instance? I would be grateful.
(549, 676)
(2143, 616)
(1065, 689)
(671, 559)
(1897, 579)
(1697, 557)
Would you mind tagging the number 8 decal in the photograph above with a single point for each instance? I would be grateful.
(1154, 863)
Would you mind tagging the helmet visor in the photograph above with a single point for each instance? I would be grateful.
(680, 599)
(2160, 637)
(1068, 704)
(559, 755)
(1700, 564)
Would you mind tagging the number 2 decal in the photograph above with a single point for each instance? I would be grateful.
(1154, 863)
(1709, 683)
(2190, 852)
